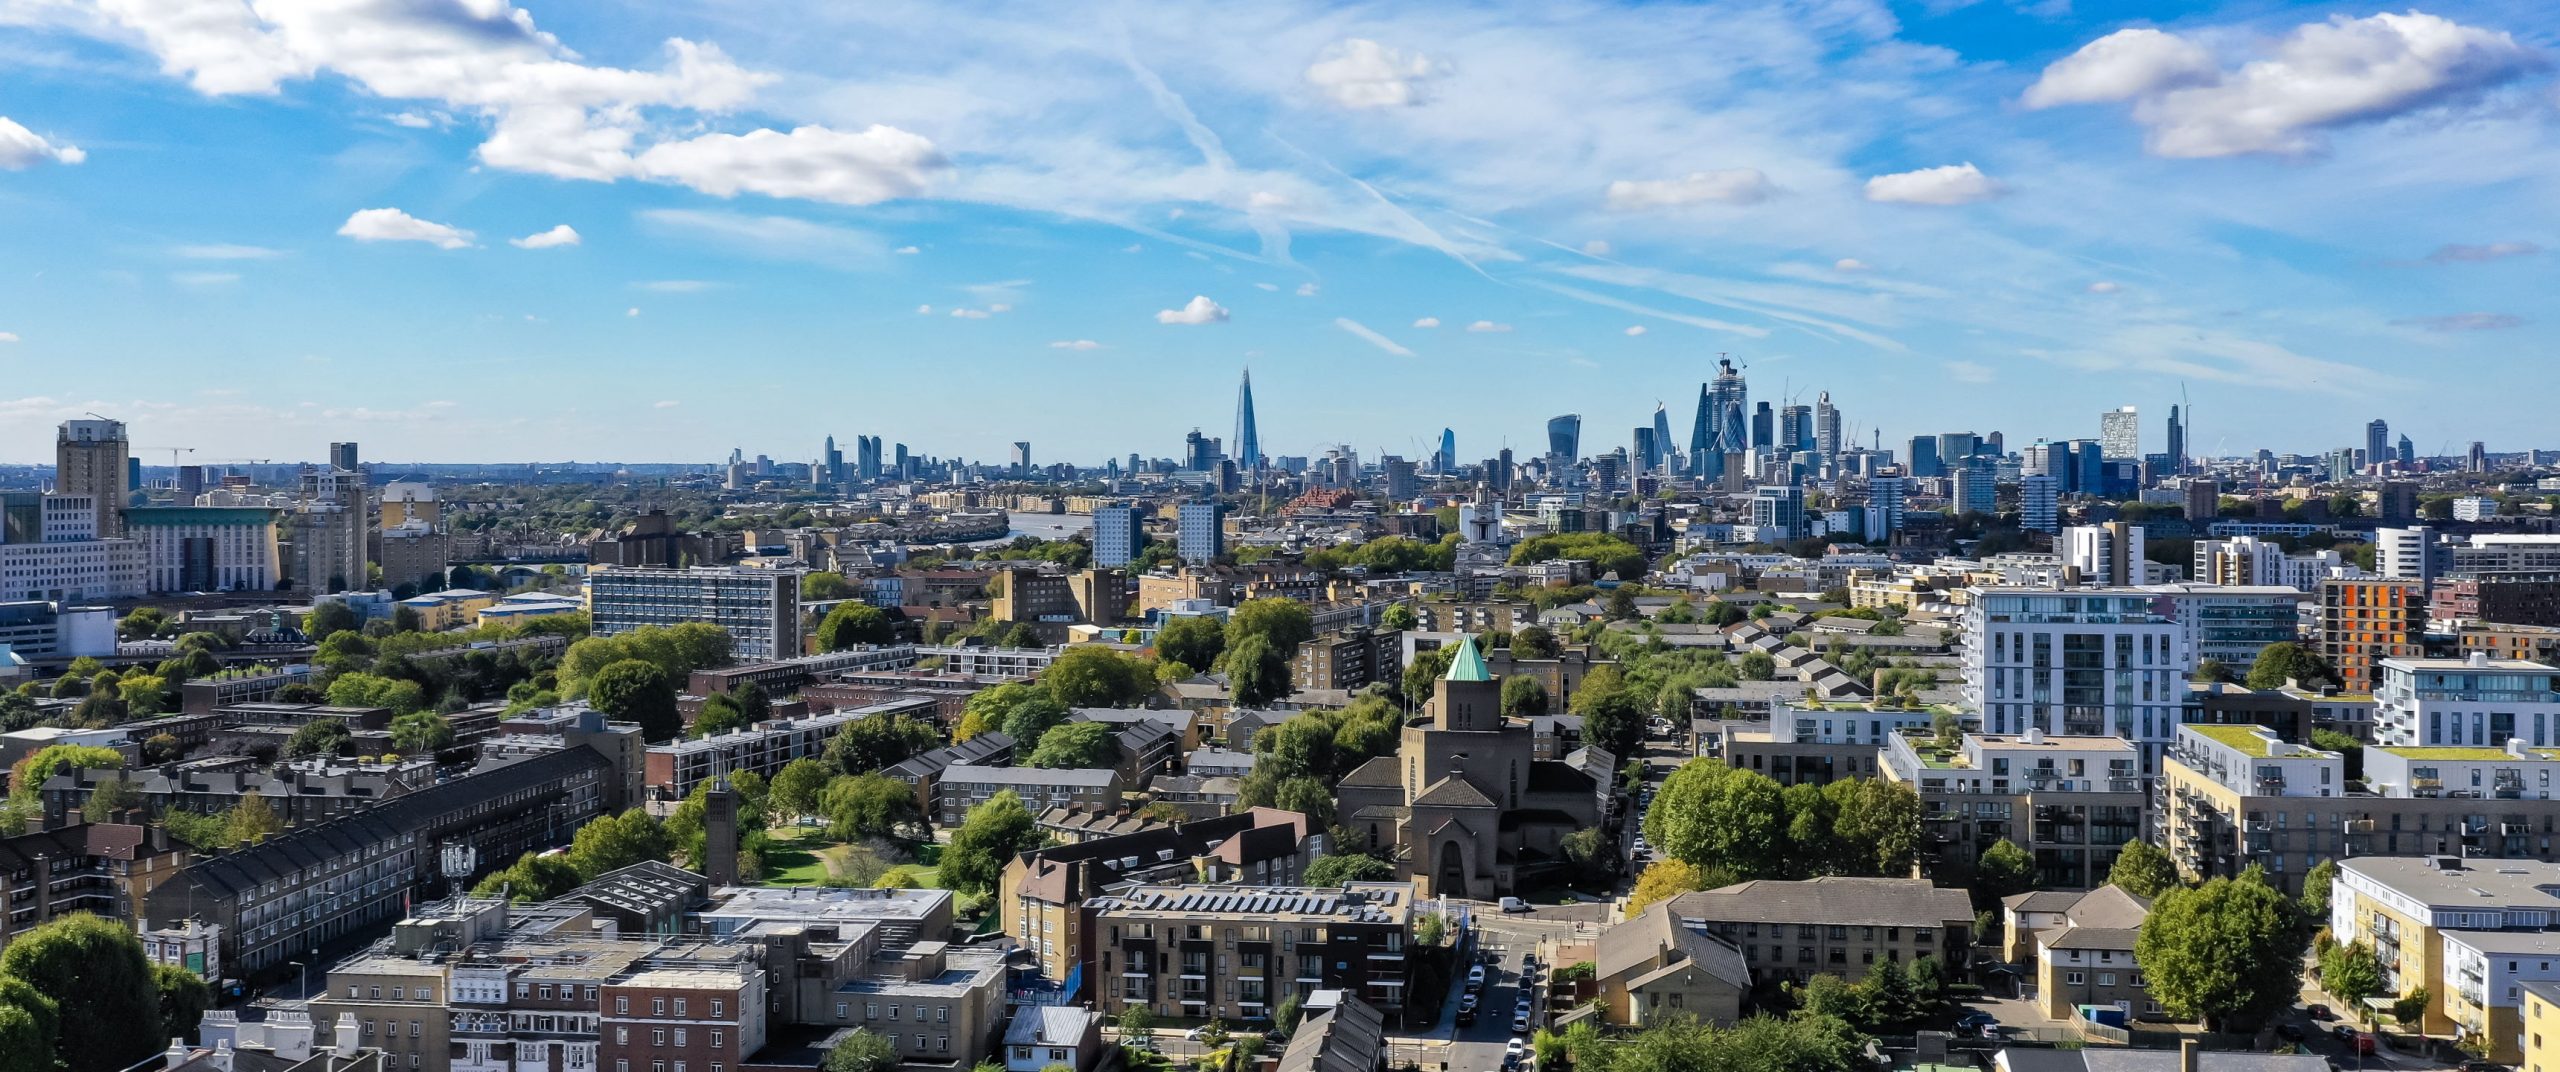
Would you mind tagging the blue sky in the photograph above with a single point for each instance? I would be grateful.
(256, 228)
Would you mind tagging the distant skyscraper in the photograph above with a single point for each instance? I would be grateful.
(1764, 427)
(1826, 428)
(1662, 441)
(1645, 453)
(1116, 535)
(2377, 441)
(342, 455)
(2177, 443)
(2040, 503)
(1248, 439)
(1021, 458)
(2120, 433)
(1778, 507)
(1795, 429)
(1924, 457)
(1448, 459)
(1955, 447)
(90, 458)
(1564, 437)
(833, 460)
(2408, 453)
(1724, 421)
(2476, 461)
(1884, 508)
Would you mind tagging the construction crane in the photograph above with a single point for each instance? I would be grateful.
(173, 453)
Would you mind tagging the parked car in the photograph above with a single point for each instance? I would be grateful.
(1475, 977)
(1973, 1022)
(1520, 1021)
(2483, 1066)
(1517, 1047)
(1466, 1015)
(1514, 904)
(2320, 1012)
(2289, 1032)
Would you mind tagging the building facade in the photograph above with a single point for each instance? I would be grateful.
(759, 607)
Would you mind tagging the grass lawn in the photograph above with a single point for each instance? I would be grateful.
(802, 856)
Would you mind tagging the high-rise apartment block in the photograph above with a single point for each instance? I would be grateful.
(2365, 621)
(759, 607)
(93, 458)
(2077, 662)
(207, 549)
(1117, 537)
(330, 528)
(2108, 554)
(1202, 525)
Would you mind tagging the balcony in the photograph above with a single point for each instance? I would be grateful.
(2357, 827)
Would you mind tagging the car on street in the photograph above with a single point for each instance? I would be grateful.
(1475, 977)
(1517, 1047)
(2289, 1032)
(1520, 1021)
(1514, 904)
(2319, 1012)
(1466, 1016)
(1974, 1023)
(2483, 1066)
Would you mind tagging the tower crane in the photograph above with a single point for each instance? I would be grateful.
(173, 453)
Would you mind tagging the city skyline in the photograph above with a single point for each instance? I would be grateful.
(578, 240)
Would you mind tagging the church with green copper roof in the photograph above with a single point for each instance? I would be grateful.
(1467, 807)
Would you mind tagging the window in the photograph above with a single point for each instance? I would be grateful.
(680, 1036)
(657, 1006)
(622, 1004)
(2075, 978)
(657, 1036)
(2106, 978)
(679, 1006)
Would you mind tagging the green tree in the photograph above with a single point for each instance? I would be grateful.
(2315, 891)
(1193, 640)
(1720, 817)
(1091, 675)
(1028, 719)
(2412, 1006)
(1399, 616)
(1426, 668)
(184, 997)
(2350, 751)
(1135, 1022)
(871, 805)
(992, 834)
(822, 584)
(1257, 670)
(2215, 670)
(421, 733)
(96, 973)
(2229, 950)
(635, 690)
(1757, 666)
(25, 1044)
(532, 879)
(1875, 823)
(861, 1051)
(1535, 642)
(2143, 870)
(330, 618)
(1285, 622)
(876, 742)
(109, 798)
(2286, 659)
(796, 787)
(854, 624)
(319, 737)
(1337, 868)
(719, 715)
(1523, 696)
(2351, 973)
(2001, 870)
(1074, 746)
(616, 842)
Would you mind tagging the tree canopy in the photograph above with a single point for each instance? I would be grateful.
(2143, 870)
(2229, 950)
(1074, 745)
(636, 690)
(853, 624)
(992, 834)
(1092, 675)
(95, 972)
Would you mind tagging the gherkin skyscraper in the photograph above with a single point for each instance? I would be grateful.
(1248, 452)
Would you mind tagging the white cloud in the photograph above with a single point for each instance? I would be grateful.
(633, 311)
(1954, 184)
(204, 279)
(782, 238)
(21, 148)
(1969, 372)
(2120, 66)
(1363, 332)
(668, 404)
(562, 235)
(226, 252)
(1732, 186)
(924, 310)
(2321, 76)
(999, 307)
(1427, 322)
(1075, 344)
(677, 286)
(413, 120)
(1131, 248)
(1487, 327)
(1634, 330)
(1307, 290)
(1266, 201)
(1271, 287)
(1199, 310)
(906, 251)
(1597, 248)
(9, 337)
(972, 314)
(811, 162)
(2465, 322)
(1849, 264)
(2457, 253)
(393, 225)
(2105, 286)
(1360, 73)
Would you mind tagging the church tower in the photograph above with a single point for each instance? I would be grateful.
(1467, 697)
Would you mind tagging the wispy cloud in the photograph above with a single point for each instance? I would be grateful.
(2465, 322)
(1487, 327)
(1363, 332)
(678, 286)
(226, 252)
(770, 237)
(1075, 344)
(2457, 253)
(1969, 372)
